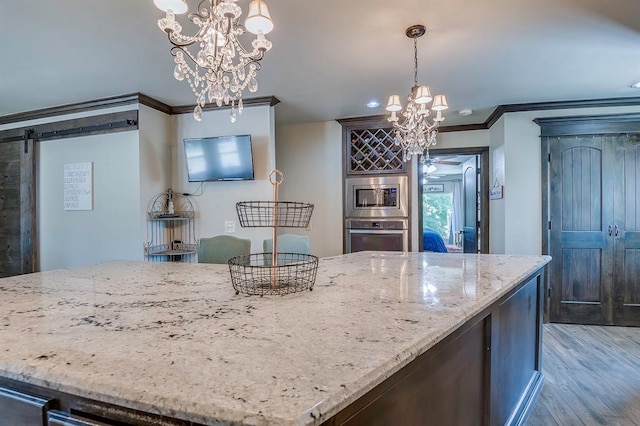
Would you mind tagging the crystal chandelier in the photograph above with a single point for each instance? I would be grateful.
(418, 130)
(214, 63)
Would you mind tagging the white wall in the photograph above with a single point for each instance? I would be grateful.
(310, 156)
(112, 229)
(218, 202)
(156, 136)
(497, 175)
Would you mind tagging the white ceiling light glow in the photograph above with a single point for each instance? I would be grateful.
(417, 131)
(214, 63)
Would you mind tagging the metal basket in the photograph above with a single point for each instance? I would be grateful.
(288, 214)
(255, 274)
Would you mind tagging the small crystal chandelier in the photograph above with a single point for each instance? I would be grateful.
(219, 67)
(418, 131)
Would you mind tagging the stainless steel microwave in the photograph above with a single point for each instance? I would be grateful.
(383, 196)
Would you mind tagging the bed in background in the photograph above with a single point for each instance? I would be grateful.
(432, 241)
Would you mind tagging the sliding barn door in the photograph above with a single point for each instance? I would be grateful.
(581, 212)
(627, 231)
(17, 208)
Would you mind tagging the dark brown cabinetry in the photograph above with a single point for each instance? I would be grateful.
(486, 373)
(372, 164)
(594, 222)
(369, 147)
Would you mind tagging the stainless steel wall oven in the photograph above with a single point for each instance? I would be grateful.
(379, 235)
(376, 213)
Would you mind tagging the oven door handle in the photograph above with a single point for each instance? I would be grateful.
(376, 231)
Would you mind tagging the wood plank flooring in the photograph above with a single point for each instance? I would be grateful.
(592, 376)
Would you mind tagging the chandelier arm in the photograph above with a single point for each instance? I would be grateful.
(177, 43)
(253, 56)
(227, 32)
(174, 38)
(175, 49)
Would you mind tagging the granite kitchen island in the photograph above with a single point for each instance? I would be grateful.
(383, 337)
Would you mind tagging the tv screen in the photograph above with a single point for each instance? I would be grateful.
(219, 158)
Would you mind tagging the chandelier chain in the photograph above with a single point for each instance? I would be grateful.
(415, 61)
(416, 127)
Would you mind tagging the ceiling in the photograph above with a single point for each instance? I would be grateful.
(445, 165)
(331, 57)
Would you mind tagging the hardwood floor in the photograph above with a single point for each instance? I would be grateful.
(592, 376)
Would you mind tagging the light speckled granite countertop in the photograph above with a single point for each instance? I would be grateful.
(175, 339)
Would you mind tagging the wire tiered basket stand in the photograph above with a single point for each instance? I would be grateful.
(275, 272)
(170, 228)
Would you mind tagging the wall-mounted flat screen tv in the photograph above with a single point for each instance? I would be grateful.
(219, 158)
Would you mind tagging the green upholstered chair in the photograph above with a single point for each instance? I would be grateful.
(287, 243)
(221, 248)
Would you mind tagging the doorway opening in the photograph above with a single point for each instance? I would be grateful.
(453, 187)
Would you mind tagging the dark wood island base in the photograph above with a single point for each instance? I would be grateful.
(485, 373)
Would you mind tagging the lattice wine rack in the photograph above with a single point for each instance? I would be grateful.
(374, 151)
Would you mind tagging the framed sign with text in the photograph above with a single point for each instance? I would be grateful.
(78, 186)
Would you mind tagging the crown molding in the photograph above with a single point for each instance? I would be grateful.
(154, 103)
(113, 101)
(589, 125)
(372, 121)
(377, 120)
(462, 128)
(116, 101)
(266, 100)
(540, 106)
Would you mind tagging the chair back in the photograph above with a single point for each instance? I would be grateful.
(288, 243)
(221, 248)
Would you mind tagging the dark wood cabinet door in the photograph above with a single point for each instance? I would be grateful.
(627, 231)
(581, 213)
